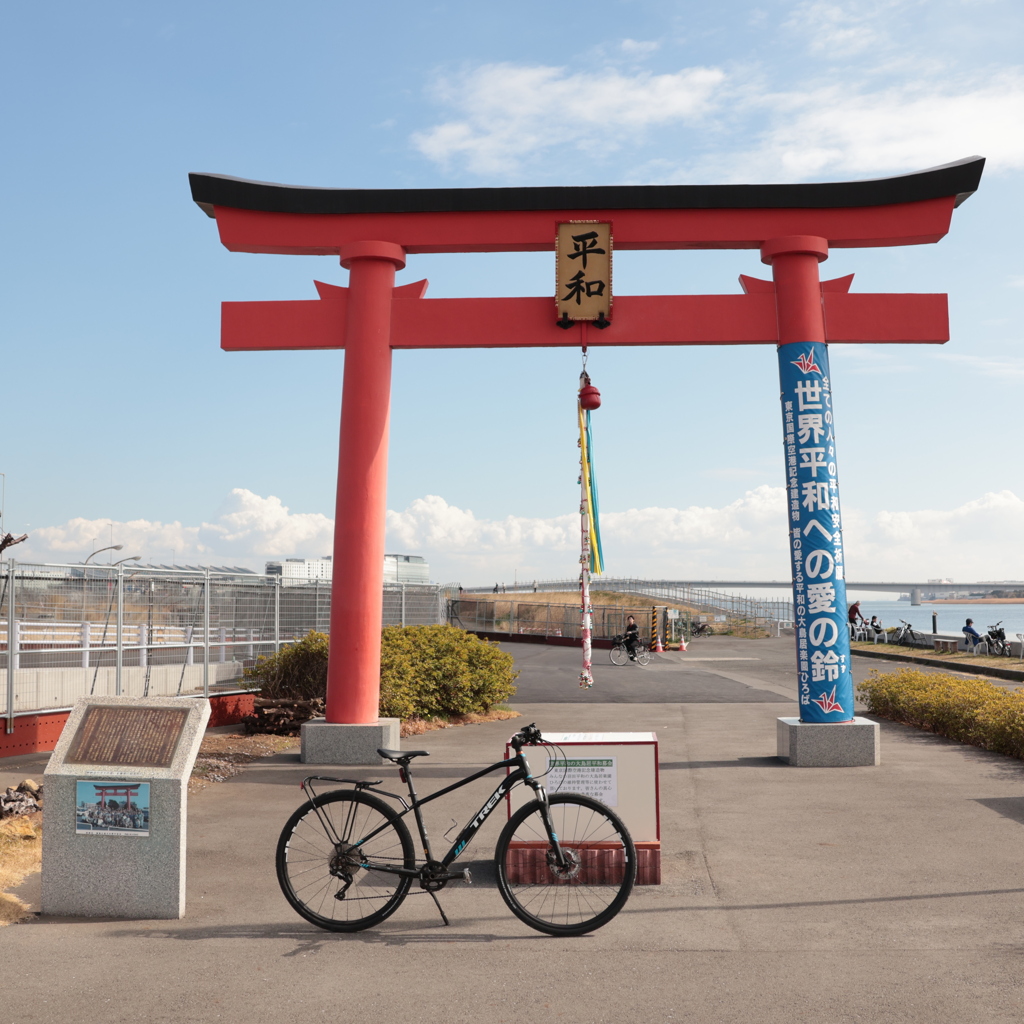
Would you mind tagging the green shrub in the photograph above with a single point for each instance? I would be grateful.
(296, 672)
(969, 710)
(425, 672)
(443, 671)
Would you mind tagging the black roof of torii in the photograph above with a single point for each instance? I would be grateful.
(959, 179)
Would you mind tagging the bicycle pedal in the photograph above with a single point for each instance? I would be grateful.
(467, 876)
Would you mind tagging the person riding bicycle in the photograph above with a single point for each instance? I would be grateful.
(631, 640)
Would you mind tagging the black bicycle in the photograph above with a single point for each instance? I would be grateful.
(698, 629)
(619, 653)
(345, 861)
(996, 638)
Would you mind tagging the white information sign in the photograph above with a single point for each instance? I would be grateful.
(591, 776)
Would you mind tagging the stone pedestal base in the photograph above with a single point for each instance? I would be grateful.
(828, 744)
(325, 742)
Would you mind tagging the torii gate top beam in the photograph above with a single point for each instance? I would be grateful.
(908, 209)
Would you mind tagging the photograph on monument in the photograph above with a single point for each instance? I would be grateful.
(112, 808)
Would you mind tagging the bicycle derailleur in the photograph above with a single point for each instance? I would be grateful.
(344, 864)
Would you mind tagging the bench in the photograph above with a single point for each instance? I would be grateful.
(945, 646)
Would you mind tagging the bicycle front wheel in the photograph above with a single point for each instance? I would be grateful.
(596, 879)
(329, 858)
(618, 655)
(643, 656)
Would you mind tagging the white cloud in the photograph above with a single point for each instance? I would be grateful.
(247, 530)
(904, 125)
(745, 539)
(248, 524)
(989, 366)
(508, 112)
(931, 543)
(638, 48)
(903, 116)
(841, 29)
(74, 540)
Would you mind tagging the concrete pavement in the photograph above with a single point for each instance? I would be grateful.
(826, 896)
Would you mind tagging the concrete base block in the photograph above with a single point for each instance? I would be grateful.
(828, 744)
(326, 742)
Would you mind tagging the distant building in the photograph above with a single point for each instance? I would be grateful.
(406, 569)
(301, 570)
(397, 569)
(231, 570)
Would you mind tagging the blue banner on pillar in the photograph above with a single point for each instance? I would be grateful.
(815, 535)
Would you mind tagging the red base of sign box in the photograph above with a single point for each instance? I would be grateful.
(602, 865)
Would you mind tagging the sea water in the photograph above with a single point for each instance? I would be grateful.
(951, 617)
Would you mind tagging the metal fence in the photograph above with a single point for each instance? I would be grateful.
(735, 609)
(73, 630)
(531, 617)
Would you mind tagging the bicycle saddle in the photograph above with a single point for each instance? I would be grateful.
(400, 755)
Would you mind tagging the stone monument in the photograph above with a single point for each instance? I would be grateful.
(115, 810)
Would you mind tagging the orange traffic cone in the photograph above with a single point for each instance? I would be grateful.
(658, 649)
(682, 645)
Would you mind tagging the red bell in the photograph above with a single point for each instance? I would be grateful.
(590, 397)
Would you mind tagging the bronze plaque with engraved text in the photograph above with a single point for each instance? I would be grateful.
(131, 736)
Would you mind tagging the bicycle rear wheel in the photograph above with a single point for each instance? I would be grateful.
(643, 655)
(596, 880)
(323, 859)
(618, 655)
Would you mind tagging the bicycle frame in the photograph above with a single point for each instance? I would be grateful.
(521, 773)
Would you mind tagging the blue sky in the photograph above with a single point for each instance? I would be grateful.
(121, 409)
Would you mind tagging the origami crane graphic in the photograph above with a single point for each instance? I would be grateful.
(806, 363)
(827, 702)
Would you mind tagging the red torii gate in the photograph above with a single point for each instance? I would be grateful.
(372, 231)
(127, 790)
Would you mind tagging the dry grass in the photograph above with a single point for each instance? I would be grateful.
(963, 660)
(21, 852)
(605, 598)
(418, 726)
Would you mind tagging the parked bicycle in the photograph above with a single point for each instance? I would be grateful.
(619, 654)
(996, 639)
(701, 629)
(906, 634)
(345, 861)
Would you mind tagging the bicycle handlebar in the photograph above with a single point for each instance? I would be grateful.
(527, 736)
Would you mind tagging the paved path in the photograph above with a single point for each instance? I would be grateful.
(817, 896)
(714, 671)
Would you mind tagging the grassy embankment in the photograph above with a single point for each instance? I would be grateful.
(638, 604)
(962, 661)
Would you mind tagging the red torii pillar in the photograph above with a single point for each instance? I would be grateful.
(373, 230)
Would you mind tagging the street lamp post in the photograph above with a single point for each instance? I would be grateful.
(85, 593)
(119, 662)
(111, 547)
